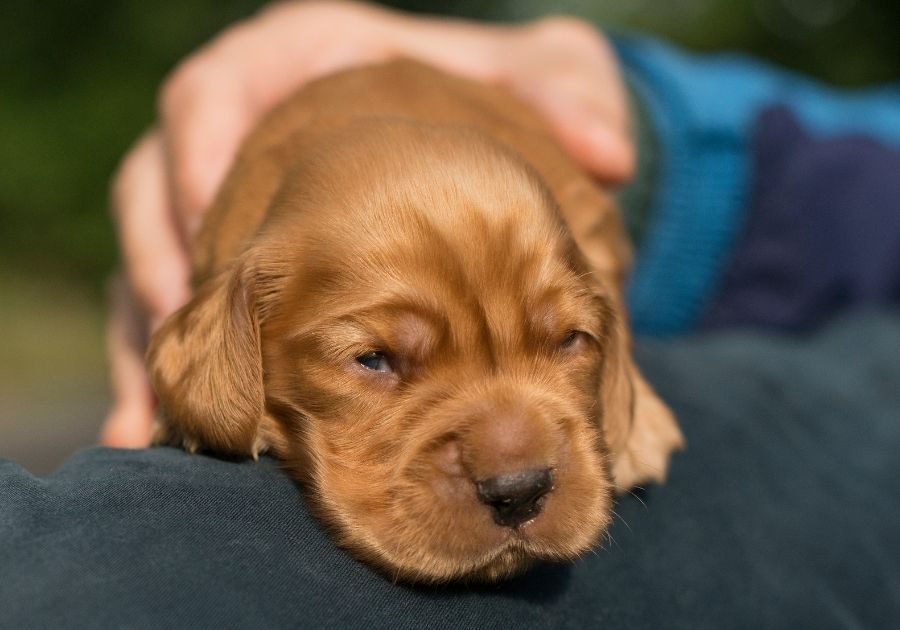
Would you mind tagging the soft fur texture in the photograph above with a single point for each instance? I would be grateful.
(396, 209)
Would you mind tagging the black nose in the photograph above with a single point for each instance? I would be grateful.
(513, 498)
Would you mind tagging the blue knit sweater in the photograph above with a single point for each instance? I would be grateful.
(703, 109)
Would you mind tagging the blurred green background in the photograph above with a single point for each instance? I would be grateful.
(78, 82)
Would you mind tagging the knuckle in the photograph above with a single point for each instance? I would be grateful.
(305, 13)
(180, 83)
(351, 17)
(128, 173)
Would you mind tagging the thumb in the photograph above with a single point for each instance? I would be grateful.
(605, 152)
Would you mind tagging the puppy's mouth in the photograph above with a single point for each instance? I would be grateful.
(486, 528)
(478, 499)
(521, 547)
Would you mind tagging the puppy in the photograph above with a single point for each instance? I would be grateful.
(408, 293)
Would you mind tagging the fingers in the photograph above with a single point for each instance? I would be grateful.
(212, 99)
(168, 180)
(563, 67)
(155, 285)
(569, 72)
(598, 147)
(203, 119)
(154, 253)
(130, 419)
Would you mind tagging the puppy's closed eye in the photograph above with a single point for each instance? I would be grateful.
(575, 340)
(402, 297)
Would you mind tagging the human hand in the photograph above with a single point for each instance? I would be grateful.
(563, 67)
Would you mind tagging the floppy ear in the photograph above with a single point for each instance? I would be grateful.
(206, 368)
(641, 431)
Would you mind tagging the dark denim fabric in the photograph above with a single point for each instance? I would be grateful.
(822, 230)
(783, 513)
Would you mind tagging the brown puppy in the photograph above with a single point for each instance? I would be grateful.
(411, 295)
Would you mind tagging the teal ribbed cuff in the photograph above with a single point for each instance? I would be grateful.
(701, 185)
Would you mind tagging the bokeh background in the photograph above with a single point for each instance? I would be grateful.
(78, 82)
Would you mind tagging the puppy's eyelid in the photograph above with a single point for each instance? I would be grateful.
(574, 338)
(376, 361)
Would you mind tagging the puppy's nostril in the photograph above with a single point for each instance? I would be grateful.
(514, 498)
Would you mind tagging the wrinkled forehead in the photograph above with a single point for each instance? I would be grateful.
(484, 291)
(433, 219)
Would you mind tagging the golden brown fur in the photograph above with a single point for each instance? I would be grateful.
(397, 209)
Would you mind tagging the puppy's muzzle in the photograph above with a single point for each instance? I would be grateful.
(515, 498)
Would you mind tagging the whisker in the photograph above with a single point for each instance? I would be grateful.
(613, 540)
(623, 520)
(632, 493)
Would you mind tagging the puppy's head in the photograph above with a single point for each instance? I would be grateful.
(414, 332)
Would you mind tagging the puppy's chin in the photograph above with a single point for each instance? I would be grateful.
(488, 552)
(419, 524)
